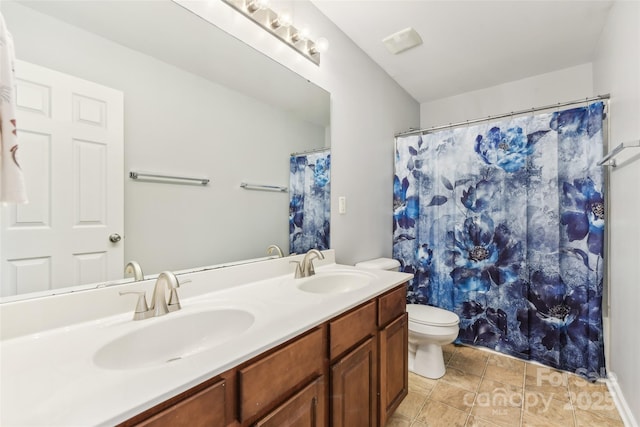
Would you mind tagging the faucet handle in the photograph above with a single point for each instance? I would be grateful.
(174, 301)
(298, 273)
(142, 309)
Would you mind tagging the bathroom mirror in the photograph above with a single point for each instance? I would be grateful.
(197, 102)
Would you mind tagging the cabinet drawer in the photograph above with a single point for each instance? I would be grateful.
(392, 304)
(351, 328)
(206, 409)
(270, 379)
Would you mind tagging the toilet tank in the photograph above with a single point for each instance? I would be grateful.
(380, 264)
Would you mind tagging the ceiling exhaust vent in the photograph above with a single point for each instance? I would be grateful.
(402, 40)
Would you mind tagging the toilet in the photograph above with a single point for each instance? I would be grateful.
(429, 329)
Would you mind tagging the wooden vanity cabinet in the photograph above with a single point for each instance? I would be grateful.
(393, 351)
(350, 371)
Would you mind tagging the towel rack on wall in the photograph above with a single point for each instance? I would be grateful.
(156, 177)
(609, 159)
(261, 187)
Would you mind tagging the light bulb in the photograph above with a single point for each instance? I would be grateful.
(282, 20)
(255, 5)
(321, 45)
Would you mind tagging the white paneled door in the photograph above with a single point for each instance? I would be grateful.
(70, 134)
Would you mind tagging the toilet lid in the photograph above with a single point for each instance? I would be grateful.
(429, 315)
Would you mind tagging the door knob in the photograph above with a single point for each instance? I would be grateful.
(115, 238)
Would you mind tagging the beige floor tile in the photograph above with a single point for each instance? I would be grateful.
(421, 384)
(461, 379)
(451, 348)
(465, 349)
(479, 422)
(499, 394)
(598, 401)
(539, 411)
(546, 376)
(548, 382)
(438, 414)
(578, 383)
(454, 396)
(447, 356)
(398, 421)
(471, 363)
(411, 405)
(593, 397)
(510, 376)
(542, 397)
(499, 414)
(589, 419)
(506, 362)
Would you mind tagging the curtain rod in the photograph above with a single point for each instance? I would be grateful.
(500, 116)
(315, 150)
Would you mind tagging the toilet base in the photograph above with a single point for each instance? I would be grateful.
(427, 361)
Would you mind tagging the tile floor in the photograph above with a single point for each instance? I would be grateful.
(483, 388)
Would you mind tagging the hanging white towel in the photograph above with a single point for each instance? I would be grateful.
(12, 188)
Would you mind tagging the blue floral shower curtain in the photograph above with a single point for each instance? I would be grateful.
(503, 223)
(309, 202)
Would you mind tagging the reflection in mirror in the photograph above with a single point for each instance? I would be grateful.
(193, 101)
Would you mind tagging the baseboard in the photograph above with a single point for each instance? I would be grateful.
(619, 400)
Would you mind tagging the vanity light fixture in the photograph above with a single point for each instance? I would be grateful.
(281, 26)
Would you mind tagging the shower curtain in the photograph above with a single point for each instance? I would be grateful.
(309, 202)
(503, 223)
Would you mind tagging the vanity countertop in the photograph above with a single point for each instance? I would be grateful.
(50, 377)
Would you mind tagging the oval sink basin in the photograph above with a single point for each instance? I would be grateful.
(172, 337)
(335, 283)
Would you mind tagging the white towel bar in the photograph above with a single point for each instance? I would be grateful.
(156, 177)
(261, 187)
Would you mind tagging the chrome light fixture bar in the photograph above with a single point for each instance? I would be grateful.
(279, 26)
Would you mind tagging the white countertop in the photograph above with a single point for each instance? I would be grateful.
(49, 377)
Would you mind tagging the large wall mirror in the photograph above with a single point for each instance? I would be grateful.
(196, 102)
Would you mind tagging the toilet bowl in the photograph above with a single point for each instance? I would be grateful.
(429, 329)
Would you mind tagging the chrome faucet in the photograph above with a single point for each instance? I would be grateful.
(134, 268)
(305, 268)
(276, 248)
(159, 305)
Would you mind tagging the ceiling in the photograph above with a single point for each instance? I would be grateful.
(473, 44)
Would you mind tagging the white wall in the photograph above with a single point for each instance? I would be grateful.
(179, 123)
(367, 109)
(545, 89)
(616, 70)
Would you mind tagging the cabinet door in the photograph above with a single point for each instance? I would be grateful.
(304, 409)
(353, 388)
(394, 372)
(206, 409)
